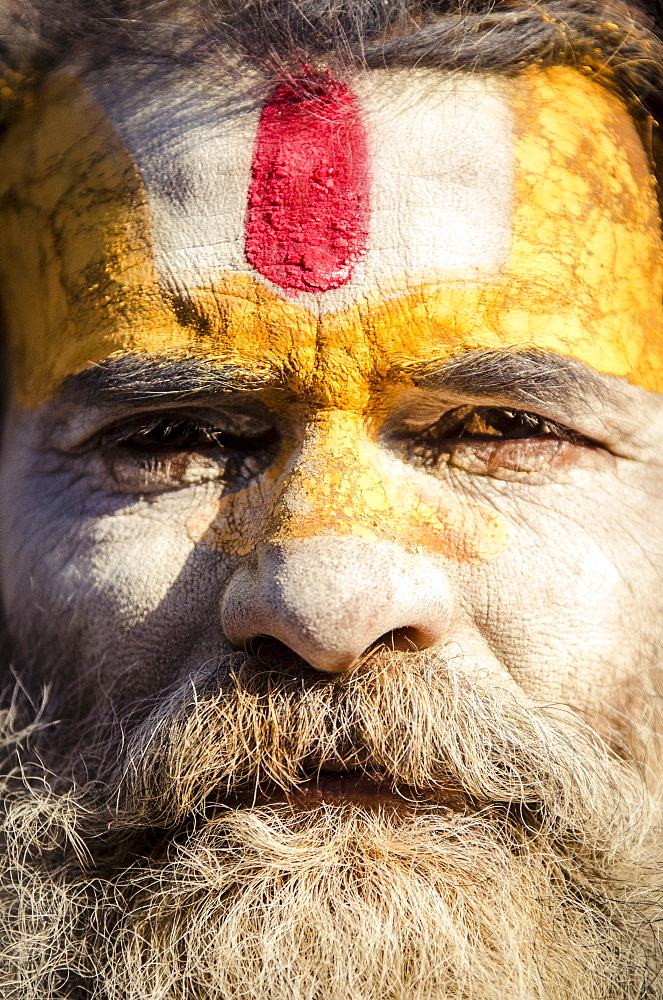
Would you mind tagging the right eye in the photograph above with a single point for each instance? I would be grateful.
(176, 433)
(166, 450)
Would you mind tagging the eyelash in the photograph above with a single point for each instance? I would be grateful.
(477, 423)
(184, 433)
(484, 424)
(466, 424)
(171, 449)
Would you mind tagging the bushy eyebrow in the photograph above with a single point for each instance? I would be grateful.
(520, 377)
(142, 379)
(529, 378)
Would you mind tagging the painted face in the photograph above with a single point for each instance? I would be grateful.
(319, 367)
(340, 361)
(525, 215)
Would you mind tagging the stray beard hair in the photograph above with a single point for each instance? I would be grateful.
(523, 859)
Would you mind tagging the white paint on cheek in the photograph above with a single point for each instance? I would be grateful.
(442, 180)
(133, 565)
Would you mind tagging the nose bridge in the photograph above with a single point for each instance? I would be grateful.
(337, 482)
(340, 484)
(335, 485)
(349, 555)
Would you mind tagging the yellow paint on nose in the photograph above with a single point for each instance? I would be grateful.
(339, 483)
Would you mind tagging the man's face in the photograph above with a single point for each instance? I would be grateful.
(348, 366)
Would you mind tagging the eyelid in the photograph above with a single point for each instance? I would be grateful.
(619, 432)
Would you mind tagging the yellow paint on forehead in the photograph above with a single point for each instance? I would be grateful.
(587, 253)
(583, 278)
(77, 276)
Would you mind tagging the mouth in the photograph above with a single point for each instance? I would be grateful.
(333, 784)
(348, 786)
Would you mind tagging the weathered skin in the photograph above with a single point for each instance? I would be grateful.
(506, 215)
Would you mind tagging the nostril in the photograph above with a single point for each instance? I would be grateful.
(408, 639)
(274, 654)
(266, 646)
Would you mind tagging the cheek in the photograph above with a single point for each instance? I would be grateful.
(152, 598)
(568, 607)
(124, 600)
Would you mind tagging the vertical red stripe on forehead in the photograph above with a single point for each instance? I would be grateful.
(307, 223)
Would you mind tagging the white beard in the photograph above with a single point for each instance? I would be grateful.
(549, 894)
(346, 903)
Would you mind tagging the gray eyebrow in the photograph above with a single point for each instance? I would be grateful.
(508, 376)
(142, 379)
(524, 377)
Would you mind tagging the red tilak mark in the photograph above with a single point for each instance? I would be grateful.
(307, 223)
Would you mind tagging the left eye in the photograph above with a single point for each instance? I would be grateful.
(489, 423)
(491, 440)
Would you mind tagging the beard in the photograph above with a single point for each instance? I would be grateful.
(511, 853)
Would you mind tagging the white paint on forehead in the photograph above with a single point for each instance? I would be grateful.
(442, 163)
(441, 166)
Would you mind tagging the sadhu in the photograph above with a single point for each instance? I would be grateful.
(331, 484)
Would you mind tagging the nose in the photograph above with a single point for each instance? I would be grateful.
(329, 599)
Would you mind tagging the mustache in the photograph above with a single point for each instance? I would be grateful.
(415, 722)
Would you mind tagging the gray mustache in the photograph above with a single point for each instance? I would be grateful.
(410, 721)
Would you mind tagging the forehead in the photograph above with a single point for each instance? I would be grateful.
(388, 176)
(404, 214)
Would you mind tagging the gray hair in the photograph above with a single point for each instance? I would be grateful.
(619, 43)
